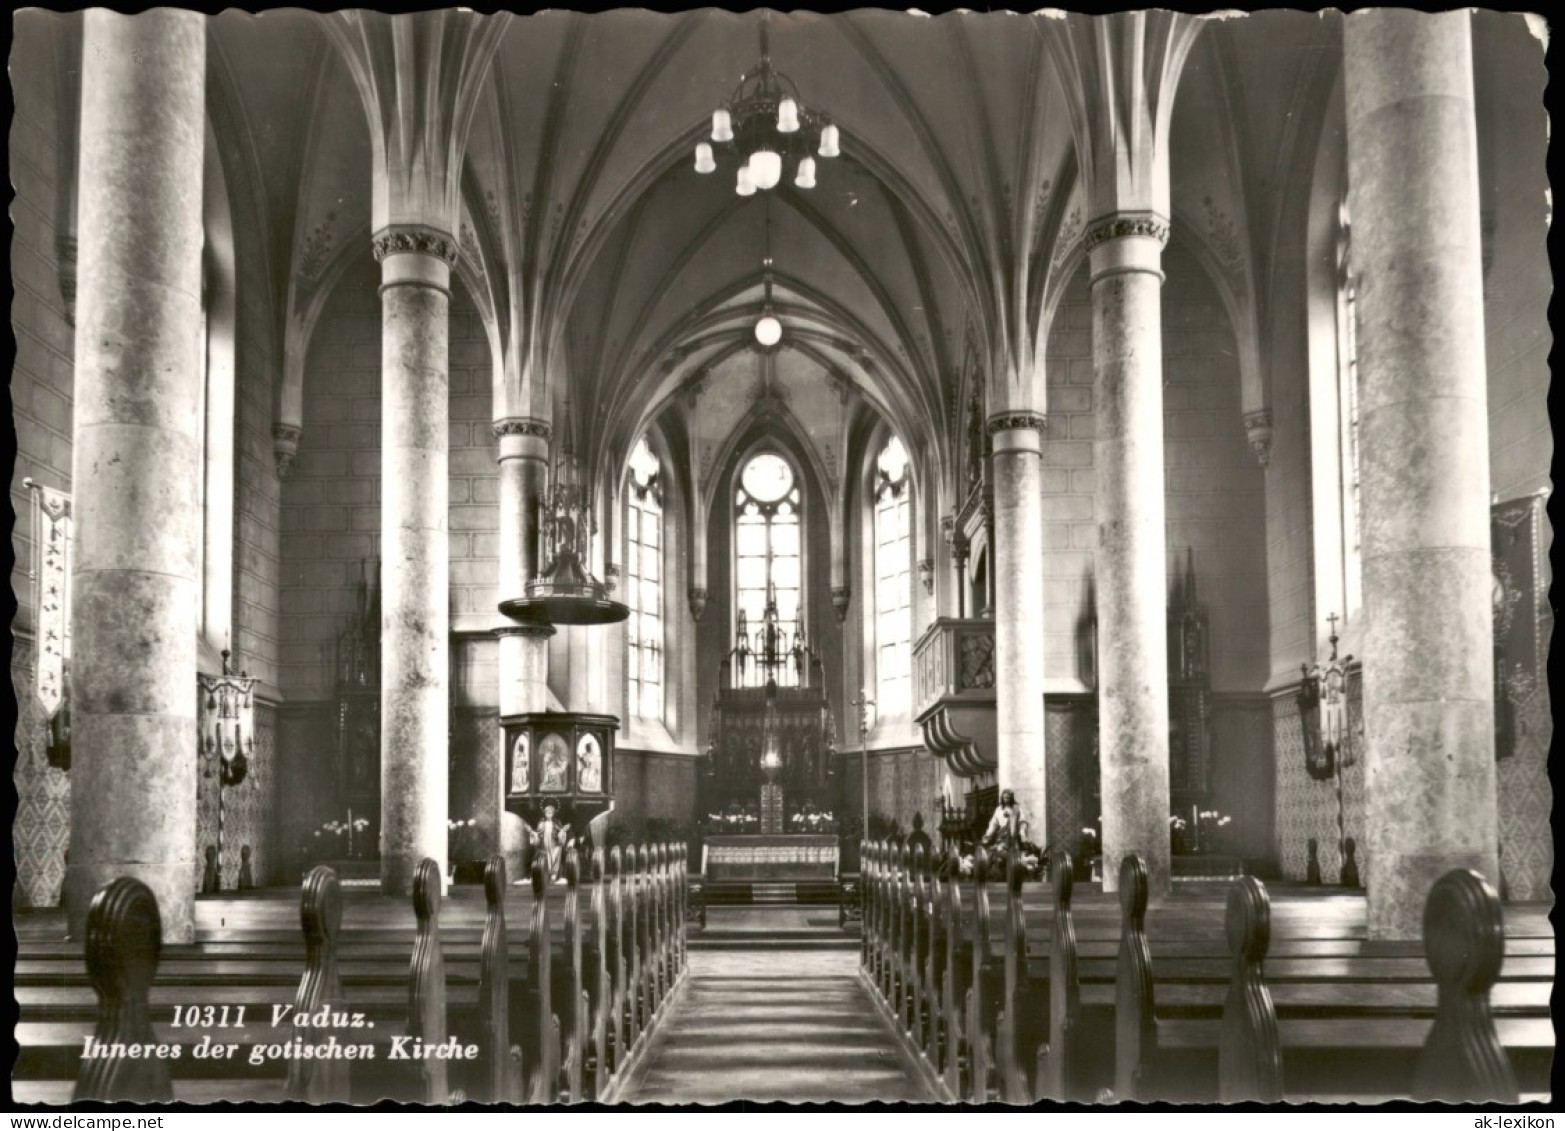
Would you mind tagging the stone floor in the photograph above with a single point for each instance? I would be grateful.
(782, 1019)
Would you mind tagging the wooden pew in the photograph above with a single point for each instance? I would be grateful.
(1135, 1015)
(619, 965)
(427, 983)
(124, 940)
(498, 1076)
(1249, 1056)
(483, 999)
(569, 993)
(599, 1065)
(956, 982)
(1464, 941)
(985, 991)
(1027, 1019)
(540, 1026)
(916, 998)
(318, 1081)
(866, 906)
(934, 962)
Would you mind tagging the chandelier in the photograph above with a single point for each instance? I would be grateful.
(766, 128)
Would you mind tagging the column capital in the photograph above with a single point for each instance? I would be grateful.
(523, 426)
(1258, 430)
(285, 446)
(1124, 225)
(397, 239)
(1021, 418)
(531, 631)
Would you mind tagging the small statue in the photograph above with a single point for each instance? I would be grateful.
(1312, 868)
(1350, 865)
(1008, 826)
(211, 879)
(246, 876)
(549, 836)
(918, 838)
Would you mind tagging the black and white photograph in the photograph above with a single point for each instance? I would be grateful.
(636, 559)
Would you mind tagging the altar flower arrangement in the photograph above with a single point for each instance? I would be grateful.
(812, 820)
(346, 829)
(343, 828)
(734, 819)
(1209, 833)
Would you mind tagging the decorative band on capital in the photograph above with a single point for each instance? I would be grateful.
(535, 631)
(523, 426)
(1005, 421)
(411, 237)
(1122, 226)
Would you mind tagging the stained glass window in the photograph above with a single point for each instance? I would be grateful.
(644, 584)
(893, 581)
(768, 554)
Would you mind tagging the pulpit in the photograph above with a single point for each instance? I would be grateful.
(562, 759)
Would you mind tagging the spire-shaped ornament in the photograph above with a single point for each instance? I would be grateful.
(565, 591)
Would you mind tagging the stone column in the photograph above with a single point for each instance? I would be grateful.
(1017, 567)
(1424, 460)
(1131, 573)
(415, 697)
(137, 462)
(524, 650)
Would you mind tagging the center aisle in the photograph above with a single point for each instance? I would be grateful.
(773, 1015)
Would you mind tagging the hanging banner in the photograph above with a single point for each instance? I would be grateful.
(52, 592)
(1521, 618)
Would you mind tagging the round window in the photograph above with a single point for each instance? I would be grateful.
(767, 478)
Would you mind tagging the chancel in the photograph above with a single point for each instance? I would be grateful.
(708, 556)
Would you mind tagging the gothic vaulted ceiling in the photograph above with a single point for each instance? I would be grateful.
(928, 253)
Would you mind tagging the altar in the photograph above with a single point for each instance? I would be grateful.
(763, 868)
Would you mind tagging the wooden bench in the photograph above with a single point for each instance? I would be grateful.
(456, 982)
(1353, 1016)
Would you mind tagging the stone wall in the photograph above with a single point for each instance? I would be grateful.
(331, 498)
(654, 790)
(41, 395)
(1215, 490)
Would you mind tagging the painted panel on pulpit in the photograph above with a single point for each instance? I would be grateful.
(589, 764)
(521, 775)
(554, 758)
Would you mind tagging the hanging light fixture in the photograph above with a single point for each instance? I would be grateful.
(766, 127)
(768, 331)
(768, 328)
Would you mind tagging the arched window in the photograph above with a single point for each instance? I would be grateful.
(893, 581)
(1347, 413)
(768, 556)
(644, 583)
(1334, 436)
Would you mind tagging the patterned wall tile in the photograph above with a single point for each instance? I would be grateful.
(475, 785)
(1242, 765)
(1526, 800)
(1070, 772)
(40, 832)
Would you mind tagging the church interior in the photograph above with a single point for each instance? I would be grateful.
(706, 556)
